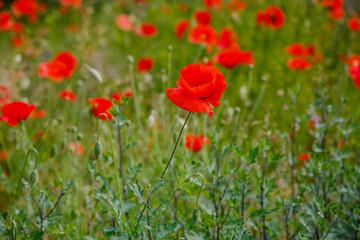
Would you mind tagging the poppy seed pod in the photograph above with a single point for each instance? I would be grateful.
(33, 177)
(98, 150)
(196, 216)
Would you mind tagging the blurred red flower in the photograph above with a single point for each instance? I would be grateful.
(17, 27)
(124, 22)
(4, 95)
(67, 95)
(2, 155)
(17, 41)
(101, 105)
(298, 64)
(213, 4)
(5, 21)
(354, 60)
(118, 96)
(1, 4)
(354, 24)
(272, 17)
(74, 3)
(76, 148)
(145, 64)
(202, 17)
(354, 72)
(231, 58)
(195, 142)
(198, 86)
(203, 34)
(16, 111)
(41, 113)
(25, 7)
(236, 6)
(206, 61)
(227, 38)
(146, 30)
(297, 49)
(304, 157)
(62, 66)
(181, 28)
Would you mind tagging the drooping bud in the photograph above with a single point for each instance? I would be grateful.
(98, 150)
(196, 216)
(33, 177)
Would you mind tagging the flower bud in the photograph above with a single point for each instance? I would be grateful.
(53, 151)
(98, 150)
(196, 216)
(33, 177)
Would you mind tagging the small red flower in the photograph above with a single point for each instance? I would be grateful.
(25, 7)
(124, 22)
(76, 148)
(118, 96)
(198, 86)
(203, 34)
(337, 13)
(74, 3)
(304, 157)
(62, 66)
(67, 95)
(5, 21)
(272, 17)
(312, 124)
(146, 30)
(145, 64)
(236, 6)
(227, 38)
(354, 24)
(41, 113)
(297, 49)
(213, 4)
(4, 95)
(202, 17)
(231, 58)
(2, 155)
(101, 105)
(354, 72)
(195, 142)
(354, 61)
(17, 42)
(181, 28)
(340, 144)
(16, 111)
(17, 27)
(298, 64)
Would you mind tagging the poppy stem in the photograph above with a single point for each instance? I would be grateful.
(177, 142)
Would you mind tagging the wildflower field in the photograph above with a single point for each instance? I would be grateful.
(180, 119)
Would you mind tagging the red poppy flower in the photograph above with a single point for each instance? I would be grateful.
(272, 17)
(354, 24)
(231, 58)
(5, 21)
(340, 144)
(183, 7)
(4, 95)
(354, 60)
(17, 27)
(298, 64)
(118, 96)
(76, 148)
(67, 95)
(204, 34)
(181, 28)
(17, 42)
(354, 72)
(145, 64)
(195, 142)
(25, 7)
(297, 49)
(16, 111)
(213, 4)
(62, 66)
(206, 61)
(74, 3)
(198, 86)
(124, 22)
(202, 17)
(41, 113)
(236, 6)
(101, 105)
(337, 13)
(227, 38)
(146, 30)
(2, 155)
(304, 157)
(1, 4)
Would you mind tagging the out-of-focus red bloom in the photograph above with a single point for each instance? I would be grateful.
(340, 144)
(42, 8)
(298, 64)
(183, 7)
(337, 13)
(17, 42)
(272, 17)
(1, 4)
(67, 95)
(41, 113)
(145, 64)
(354, 61)
(203, 34)
(354, 72)
(101, 105)
(119, 95)
(146, 30)
(4, 95)
(72, 27)
(297, 49)
(354, 24)
(76, 148)
(314, 119)
(2, 155)
(17, 27)
(236, 6)
(62, 66)
(124, 22)
(16, 111)
(206, 61)
(202, 17)
(181, 28)
(198, 86)
(195, 142)
(74, 3)
(5, 21)
(227, 38)
(304, 157)
(213, 4)
(335, 8)
(25, 7)
(231, 58)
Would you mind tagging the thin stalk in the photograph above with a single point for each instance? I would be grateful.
(292, 143)
(262, 194)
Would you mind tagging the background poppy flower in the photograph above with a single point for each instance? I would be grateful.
(213, 4)
(272, 17)
(16, 111)
(4, 95)
(297, 49)
(198, 86)
(2, 155)
(298, 64)
(17, 42)
(231, 58)
(145, 64)
(204, 34)
(25, 7)
(117, 96)
(354, 72)
(146, 30)
(304, 157)
(123, 22)
(236, 6)
(41, 113)
(181, 28)
(354, 24)
(227, 38)
(76, 148)
(74, 3)
(67, 95)
(195, 142)
(101, 105)
(5, 21)
(62, 66)
(202, 17)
